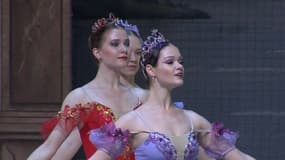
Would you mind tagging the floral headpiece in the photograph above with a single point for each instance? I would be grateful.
(102, 22)
(116, 21)
(128, 27)
(155, 41)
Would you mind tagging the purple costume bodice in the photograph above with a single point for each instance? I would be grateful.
(158, 146)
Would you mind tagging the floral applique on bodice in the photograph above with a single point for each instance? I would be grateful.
(162, 147)
(88, 116)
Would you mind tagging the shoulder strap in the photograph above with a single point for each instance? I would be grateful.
(191, 122)
(141, 118)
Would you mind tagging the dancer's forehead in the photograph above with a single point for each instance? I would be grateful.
(112, 34)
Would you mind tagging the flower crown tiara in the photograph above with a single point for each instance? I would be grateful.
(128, 27)
(155, 41)
(103, 22)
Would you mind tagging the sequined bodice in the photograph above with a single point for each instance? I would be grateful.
(89, 116)
(159, 146)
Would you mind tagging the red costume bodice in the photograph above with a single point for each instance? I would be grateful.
(86, 117)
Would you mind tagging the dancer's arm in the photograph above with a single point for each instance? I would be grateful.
(69, 147)
(48, 148)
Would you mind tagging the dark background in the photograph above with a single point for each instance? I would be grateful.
(234, 60)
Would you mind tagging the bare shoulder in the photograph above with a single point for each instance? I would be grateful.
(128, 121)
(194, 115)
(198, 120)
(141, 93)
(74, 97)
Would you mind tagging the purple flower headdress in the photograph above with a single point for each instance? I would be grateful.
(102, 22)
(128, 27)
(155, 41)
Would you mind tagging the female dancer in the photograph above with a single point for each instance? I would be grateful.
(98, 102)
(129, 72)
(157, 130)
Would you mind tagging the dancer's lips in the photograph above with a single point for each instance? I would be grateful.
(132, 65)
(123, 57)
(179, 74)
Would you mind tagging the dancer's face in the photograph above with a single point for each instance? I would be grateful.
(134, 56)
(169, 70)
(114, 48)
